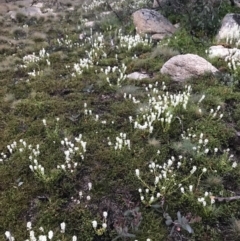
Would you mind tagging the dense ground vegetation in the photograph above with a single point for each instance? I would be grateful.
(88, 154)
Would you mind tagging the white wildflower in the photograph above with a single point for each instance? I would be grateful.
(193, 169)
(137, 172)
(104, 225)
(50, 234)
(234, 165)
(89, 186)
(44, 122)
(74, 238)
(94, 224)
(29, 224)
(105, 214)
(182, 189)
(63, 227)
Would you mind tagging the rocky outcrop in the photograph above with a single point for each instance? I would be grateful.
(32, 11)
(148, 21)
(230, 29)
(230, 56)
(137, 76)
(224, 53)
(183, 67)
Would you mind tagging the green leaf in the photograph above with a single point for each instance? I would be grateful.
(184, 221)
(179, 217)
(188, 228)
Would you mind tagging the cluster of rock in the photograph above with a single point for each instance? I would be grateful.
(31, 8)
(182, 67)
(151, 22)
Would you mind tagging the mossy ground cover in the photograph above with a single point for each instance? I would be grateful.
(73, 134)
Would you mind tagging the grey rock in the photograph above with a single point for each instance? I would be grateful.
(230, 29)
(227, 54)
(137, 76)
(148, 21)
(90, 24)
(33, 11)
(183, 67)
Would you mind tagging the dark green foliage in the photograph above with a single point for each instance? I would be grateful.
(184, 42)
(200, 18)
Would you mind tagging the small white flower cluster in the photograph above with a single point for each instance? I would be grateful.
(167, 180)
(161, 108)
(201, 143)
(129, 42)
(121, 142)
(204, 200)
(201, 147)
(164, 181)
(67, 42)
(3, 157)
(43, 54)
(80, 195)
(91, 6)
(96, 51)
(40, 237)
(23, 147)
(11, 148)
(233, 59)
(121, 71)
(215, 114)
(70, 151)
(151, 200)
(233, 35)
(32, 58)
(230, 55)
(134, 100)
(97, 42)
(87, 111)
(35, 73)
(9, 236)
(63, 227)
(230, 158)
(37, 168)
(44, 237)
(104, 224)
(79, 67)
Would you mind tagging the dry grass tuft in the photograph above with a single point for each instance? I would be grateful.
(164, 51)
(38, 37)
